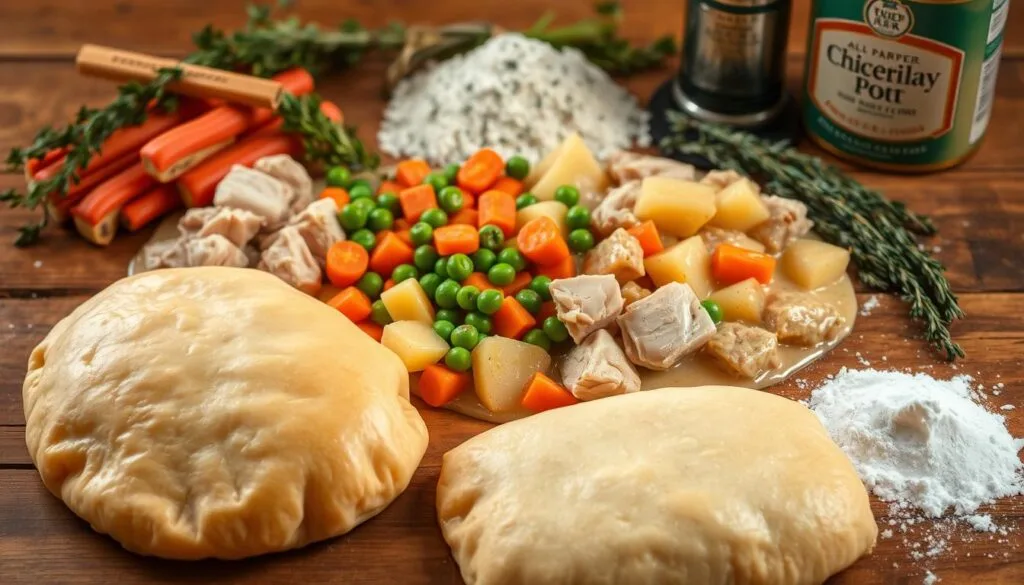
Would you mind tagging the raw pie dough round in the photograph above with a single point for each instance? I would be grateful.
(218, 412)
(709, 485)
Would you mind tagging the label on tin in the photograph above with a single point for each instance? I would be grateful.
(901, 82)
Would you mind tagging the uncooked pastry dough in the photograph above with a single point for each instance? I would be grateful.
(218, 412)
(710, 485)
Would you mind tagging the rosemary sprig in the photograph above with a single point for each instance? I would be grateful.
(325, 142)
(879, 233)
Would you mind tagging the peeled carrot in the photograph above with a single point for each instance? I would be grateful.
(276, 124)
(346, 263)
(353, 303)
(34, 165)
(410, 173)
(439, 385)
(150, 206)
(416, 200)
(512, 319)
(730, 264)
(389, 187)
(372, 329)
(647, 234)
(541, 241)
(456, 239)
(509, 185)
(339, 195)
(464, 216)
(564, 269)
(521, 281)
(389, 253)
(479, 280)
(497, 208)
(96, 214)
(480, 171)
(59, 208)
(198, 185)
(543, 393)
(332, 111)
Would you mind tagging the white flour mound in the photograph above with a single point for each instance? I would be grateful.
(920, 441)
(515, 95)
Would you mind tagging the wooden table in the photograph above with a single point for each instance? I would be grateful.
(978, 207)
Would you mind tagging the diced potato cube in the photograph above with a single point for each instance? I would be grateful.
(748, 243)
(552, 209)
(677, 207)
(743, 301)
(501, 369)
(739, 207)
(812, 263)
(407, 301)
(688, 262)
(571, 163)
(415, 343)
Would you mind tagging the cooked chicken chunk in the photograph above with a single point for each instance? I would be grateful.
(237, 225)
(259, 193)
(586, 303)
(164, 254)
(616, 209)
(597, 368)
(214, 250)
(626, 166)
(619, 254)
(801, 319)
(318, 226)
(788, 222)
(743, 350)
(720, 179)
(289, 259)
(633, 292)
(660, 329)
(290, 172)
(713, 236)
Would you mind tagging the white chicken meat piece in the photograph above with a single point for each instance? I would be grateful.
(662, 328)
(213, 250)
(787, 222)
(801, 319)
(616, 209)
(289, 259)
(237, 225)
(597, 368)
(164, 254)
(626, 166)
(290, 172)
(719, 180)
(318, 225)
(743, 350)
(256, 192)
(586, 303)
(620, 255)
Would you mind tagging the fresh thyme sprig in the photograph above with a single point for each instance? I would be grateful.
(878, 232)
(325, 142)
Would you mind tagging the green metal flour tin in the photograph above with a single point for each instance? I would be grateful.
(902, 85)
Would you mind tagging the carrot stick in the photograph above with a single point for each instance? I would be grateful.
(480, 171)
(541, 241)
(564, 269)
(372, 329)
(34, 165)
(731, 264)
(543, 393)
(340, 196)
(96, 214)
(497, 208)
(153, 204)
(416, 200)
(508, 185)
(439, 385)
(198, 185)
(647, 234)
(353, 303)
(456, 239)
(512, 319)
(521, 281)
(410, 173)
(59, 208)
(346, 263)
(389, 253)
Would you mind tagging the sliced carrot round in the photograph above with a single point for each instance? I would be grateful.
(346, 263)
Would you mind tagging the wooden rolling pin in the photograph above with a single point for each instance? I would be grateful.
(196, 81)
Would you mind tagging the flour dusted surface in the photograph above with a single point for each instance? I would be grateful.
(515, 95)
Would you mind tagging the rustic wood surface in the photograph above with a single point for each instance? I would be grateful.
(979, 208)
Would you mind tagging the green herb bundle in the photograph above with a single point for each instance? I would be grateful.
(879, 233)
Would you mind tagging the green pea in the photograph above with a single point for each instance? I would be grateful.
(567, 195)
(540, 285)
(714, 310)
(371, 284)
(482, 322)
(467, 297)
(380, 219)
(489, 301)
(444, 329)
(525, 200)
(364, 238)
(360, 191)
(501, 274)
(441, 267)
(390, 202)
(465, 336)
(578, 217)
(429, 283)
(338, 177)
(492, 238)
(581, 240)
(555, 330)
(379, 313)
(363, 182)
(529, 299)
(352, 217)
(404, 272)
(451, 199)
(435, 217)
(538, 338)
(366, 204)
(445, 295)
(458, 359)
(437, 180)
(451, 172)
(517, 167)
(513, 258)
(483, 259)
(425, 257)
(421, 233)
(450, 315)
(459, 267)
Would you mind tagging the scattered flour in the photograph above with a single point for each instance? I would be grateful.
(37, 264)
(930, 578)
(515, 95)
(869, 305)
